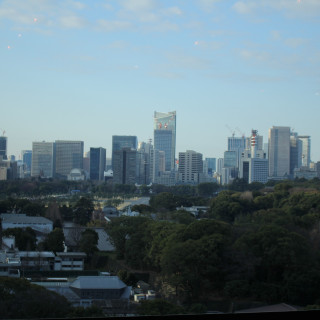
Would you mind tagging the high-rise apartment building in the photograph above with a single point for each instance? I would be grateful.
(125, 170)
(120, 142)
(69, 155)
(165, 136)
(279, 152)
(97, 163)
(3, 147)
(43, 159)
(190, 166)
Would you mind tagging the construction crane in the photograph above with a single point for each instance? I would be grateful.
(240, 132)
(232, 131)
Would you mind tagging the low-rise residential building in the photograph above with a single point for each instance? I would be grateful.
(10, 265)
(69, 261)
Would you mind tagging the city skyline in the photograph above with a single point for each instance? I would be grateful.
(80, 70)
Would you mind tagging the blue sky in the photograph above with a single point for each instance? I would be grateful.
(87, 70)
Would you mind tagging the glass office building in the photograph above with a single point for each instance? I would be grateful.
(69, 155)
(121, 142)
(165, 136)
(97, 163)
(3, 147)
(43, 159)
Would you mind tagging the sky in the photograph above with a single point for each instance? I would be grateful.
(87, 70)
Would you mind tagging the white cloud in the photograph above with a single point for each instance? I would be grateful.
(113, 25)
(138, 5)
(208, 5)
(255, 56)
(244, 7)
(45, 13)
(291, 8)
(73, 22)
(295, 42)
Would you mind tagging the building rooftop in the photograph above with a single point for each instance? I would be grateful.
(71, 254)
(35, 254)
(98, 282)
(23, 218)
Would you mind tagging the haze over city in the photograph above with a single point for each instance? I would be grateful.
(87, 70)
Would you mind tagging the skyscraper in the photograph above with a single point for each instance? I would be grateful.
(237, 144)
(43, 159)
(97, 163)
(125, 170)
(305, 150)
(254, 165)
(26, 156)
(279, 151)
(165, 136)
(3, 147)
(69, 155)
(190, 166)
(120, 142)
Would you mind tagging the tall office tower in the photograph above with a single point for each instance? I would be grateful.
(219, 166)
(97, 163)
(8, 169)
(237, 144)
(210, 166)
(279, 152)
(295, 152)
(190, 166)
(254, 165)
(230, 159)
(86, 162)
(69, 155)
(165, 136)
(26, 156)
(144, 157)
(125, 170)
(3, 147)
(120, 142)
(43, 159)
(305, 150)
(157, 164)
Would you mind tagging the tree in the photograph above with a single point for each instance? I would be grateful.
(121, 229)
(227, 206)
(207, 189)
(164, 201)
(83, 210)
(25, 239)
(194, 267)
(89, 242)
(19, 299)
(159, 307)
(55, 241)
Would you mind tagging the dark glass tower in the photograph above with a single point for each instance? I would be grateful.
(3, 147)
(97, 163)
(121, 142)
